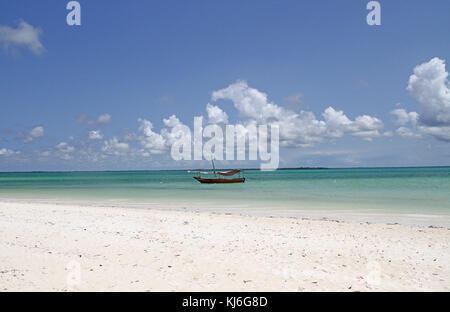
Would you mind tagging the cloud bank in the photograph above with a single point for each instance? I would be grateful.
(428, 84)
(296, 129)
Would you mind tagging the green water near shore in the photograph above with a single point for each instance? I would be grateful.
(384, 190)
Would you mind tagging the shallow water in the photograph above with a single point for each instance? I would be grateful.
(380, 190)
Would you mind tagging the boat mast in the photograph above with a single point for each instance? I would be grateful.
(214, 168)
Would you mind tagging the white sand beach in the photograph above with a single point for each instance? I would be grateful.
(65, 247)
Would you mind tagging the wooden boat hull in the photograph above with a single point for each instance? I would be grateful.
(219, 180)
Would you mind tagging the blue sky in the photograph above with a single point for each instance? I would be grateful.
(153, 59)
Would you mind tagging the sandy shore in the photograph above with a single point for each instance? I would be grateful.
(60, 247)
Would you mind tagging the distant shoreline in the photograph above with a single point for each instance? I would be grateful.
(246, 169)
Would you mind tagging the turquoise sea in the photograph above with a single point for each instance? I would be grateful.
(296, 192)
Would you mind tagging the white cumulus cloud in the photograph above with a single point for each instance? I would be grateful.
(24, 35)
(7, 152)
(63, 147)
(159, 143)
(115, 147)
(35, 133)
(104, 119)
(404, 118)
(150, 140)
(95, 135)
(430, 86)
(216, 115)
(338, 124)
(296, 129)
(64, 151)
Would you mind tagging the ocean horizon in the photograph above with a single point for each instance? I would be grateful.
(227, 168)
